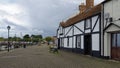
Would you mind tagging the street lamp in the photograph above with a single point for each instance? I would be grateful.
(8, 27)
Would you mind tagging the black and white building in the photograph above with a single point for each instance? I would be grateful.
(94, 31)
(82, 33)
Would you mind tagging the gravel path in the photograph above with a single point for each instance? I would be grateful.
(40, 57)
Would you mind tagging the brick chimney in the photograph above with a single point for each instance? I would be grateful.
(89, 3)
(82, 7)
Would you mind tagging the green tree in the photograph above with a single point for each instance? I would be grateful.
(26, 38)
(48, 39)
(15, 38)
(2, 39)
(36, 38)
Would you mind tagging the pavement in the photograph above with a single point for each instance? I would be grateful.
(40, 57)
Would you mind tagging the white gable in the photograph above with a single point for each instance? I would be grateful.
(113, 28)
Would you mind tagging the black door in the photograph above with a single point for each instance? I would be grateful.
(87, 44)
(58, 43)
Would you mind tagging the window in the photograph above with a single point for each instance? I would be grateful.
(115, 40)
(78, 42)
(118, 40)
(87, 24)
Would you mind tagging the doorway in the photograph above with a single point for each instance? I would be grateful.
(58, 43)
(87, 44)
(115, 47)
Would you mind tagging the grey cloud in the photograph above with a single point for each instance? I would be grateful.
(45, 15)
(16, 30)
(48, 14)
(18, 27)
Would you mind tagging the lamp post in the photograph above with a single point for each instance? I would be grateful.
(8, 27)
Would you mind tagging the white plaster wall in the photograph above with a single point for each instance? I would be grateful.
(117, 23)
(67, 29)
(116, 9)
(107, 44)
(95, 42)
(108, 8)
(74, 41)
(113, 8)
(93, 23)
(82, 42)
(80, 25)
(65, 42)
(94, 20)
(58, 33)
(97, 27)
(70, 33)
(61, 31)
(77, 31)
(70, 43)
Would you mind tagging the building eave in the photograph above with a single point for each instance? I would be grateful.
(105, 1)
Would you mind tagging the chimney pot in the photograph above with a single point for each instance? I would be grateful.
(82, 7)
(89, 3)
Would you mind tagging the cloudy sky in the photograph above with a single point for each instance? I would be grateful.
(35, 16)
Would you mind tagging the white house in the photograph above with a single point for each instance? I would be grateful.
(111, 46)
(82, 33)
(94, 31)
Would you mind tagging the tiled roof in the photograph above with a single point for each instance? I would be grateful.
(82, 16)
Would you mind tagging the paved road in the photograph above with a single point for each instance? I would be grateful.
(39, 57)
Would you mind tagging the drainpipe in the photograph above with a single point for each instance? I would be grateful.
(72, 38)
(103, 27)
